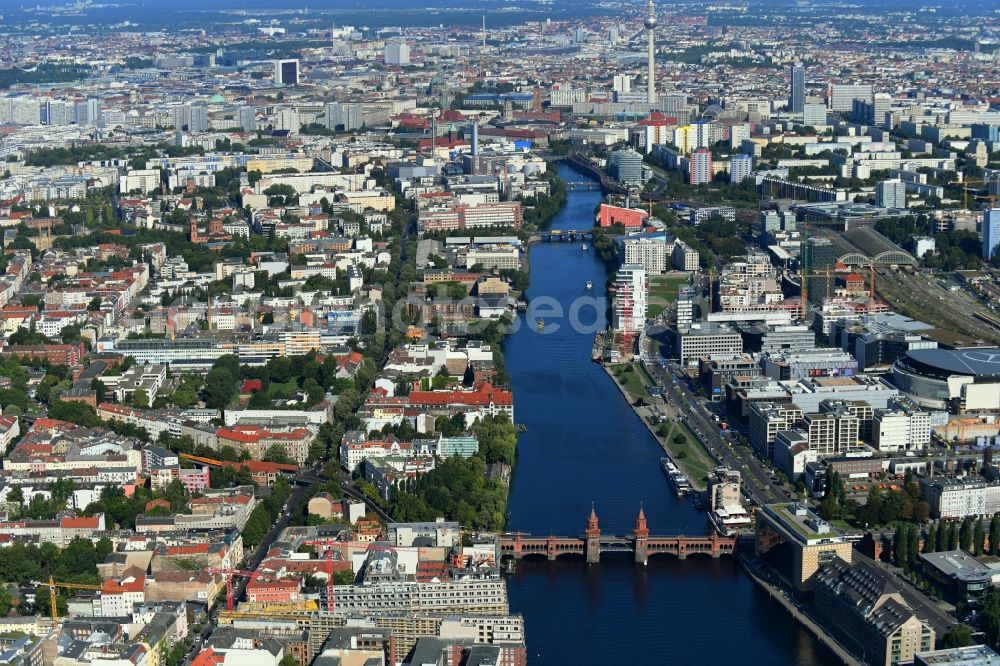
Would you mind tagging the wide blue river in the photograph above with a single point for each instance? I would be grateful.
(584, 446)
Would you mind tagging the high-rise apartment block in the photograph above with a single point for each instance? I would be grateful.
(740, 167)
(890, 194)
(397, 53)
(700, 167)
(991, 232)
(629, 307)
(797, 97)
(286, 72)
(842, 96)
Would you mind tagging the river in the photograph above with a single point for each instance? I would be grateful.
(584, 445)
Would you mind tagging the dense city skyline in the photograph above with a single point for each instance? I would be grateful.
(490, 333)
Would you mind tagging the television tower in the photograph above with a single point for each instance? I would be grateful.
(650, 23)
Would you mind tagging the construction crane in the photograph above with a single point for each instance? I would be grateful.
(828, 274)
(229, 574)
(330, 544)
(966, 189)
(54, 598)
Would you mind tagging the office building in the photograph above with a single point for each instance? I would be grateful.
(991, 232)
(797, 97)
(766, 421)
(626, 166)
(685, 257)
(740, 167)
(57, 112)
(901, 426)
(286, 72)
(88, 112)
(622, 83)
(653, 254)
(812, 541)
(248, 118)
(890, 194)
(842, 96)
(829, 433)
(397, 53)
(344, 116)
(287, 119)
(700, 167)
(705, 339)
(685, 307)
(958, 498)
(629, 307)
(971, 655)
(813, 114)
(818, 256)
(865, 610)
(190, 118)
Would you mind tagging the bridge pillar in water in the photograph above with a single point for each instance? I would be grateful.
(682, 547)
(592, 549)
(641, 534)
(716, 544)
(550, 548)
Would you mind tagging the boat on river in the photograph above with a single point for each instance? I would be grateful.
(540, 324)
(677, 480)
(584, 247)
(590, 285)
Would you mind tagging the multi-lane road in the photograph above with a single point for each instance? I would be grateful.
(695, 411)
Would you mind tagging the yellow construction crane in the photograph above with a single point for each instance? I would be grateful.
(828, 274)
(965, 188)
(53, 598)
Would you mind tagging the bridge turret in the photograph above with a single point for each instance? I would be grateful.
(641, 534)
(641, 529)
(593, 534)
(593, 526)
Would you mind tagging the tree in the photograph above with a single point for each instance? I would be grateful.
(900, 546)
(965, 534)
(930, 541)
(140, 398)
(94, 305)
(74, 412)
(959, 635)
(220, 388)
(16, 496)
(276, 453)
(978, 537)
(995, 534)
(176, 494)
(943, 538)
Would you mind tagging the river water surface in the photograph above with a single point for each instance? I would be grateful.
(585, 446)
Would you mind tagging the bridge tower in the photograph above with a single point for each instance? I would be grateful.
(593, 533)
(641, 533)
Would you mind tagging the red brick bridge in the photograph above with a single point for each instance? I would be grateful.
(518, 545)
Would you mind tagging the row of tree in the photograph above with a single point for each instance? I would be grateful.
(266, 513)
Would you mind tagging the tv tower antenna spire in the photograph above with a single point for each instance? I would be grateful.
(650, 23)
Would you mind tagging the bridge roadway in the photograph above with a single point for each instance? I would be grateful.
(568, 234)
(517, 545)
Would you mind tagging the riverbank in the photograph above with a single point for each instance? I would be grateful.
(777, 594)
(690, 458)
(585, 448)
